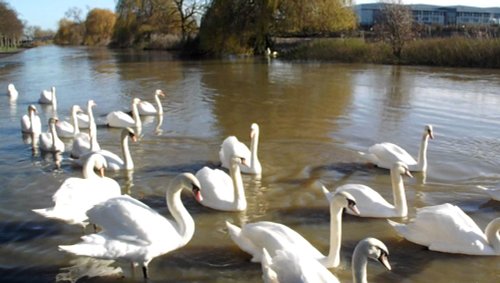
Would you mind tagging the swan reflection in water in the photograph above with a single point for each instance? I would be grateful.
(88, 267)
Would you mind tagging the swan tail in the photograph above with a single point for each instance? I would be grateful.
(243, 242)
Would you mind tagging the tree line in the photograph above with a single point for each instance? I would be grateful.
(213, 26)
(11, 27)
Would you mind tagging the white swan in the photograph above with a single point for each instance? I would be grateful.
(84, 143)
(293, 266)
(494, 193)
(49, 141)
(114, 161)
(67, 129)
(446, 228)
(133, 231)
(120, 119)
(30, 123)
(232, 145)
(372, 204)
(221, 191)
(48, 97)
(12, 92)
(272, 236)
(77, 195)
(85, 120)
(385, 154)
(147, 108)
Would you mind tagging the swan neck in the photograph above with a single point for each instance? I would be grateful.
(398, 193)
(184, 221)
(92, 130)
(54, 135)
(127, 157)
(333, 258)
(422, 154)
(359, 264)
(492, 233)
(88, 168)
(254, 145)
(239, 192)
(158, 104)
(53, 96)
(135, 114)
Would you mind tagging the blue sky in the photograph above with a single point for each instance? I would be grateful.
(47, 13)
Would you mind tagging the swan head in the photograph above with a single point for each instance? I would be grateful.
(237, 160)
(100, 163)
(31, 108)
(135, 101)
(11, 87)
(402, 169)
(428, 131)
(189, 181)
(53, 121)
(159, 92)
(343, 199)
(91, 103)
(130, 133)
(53, 89)
(76, 108)
(375, 249)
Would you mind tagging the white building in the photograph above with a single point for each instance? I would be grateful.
(434, 15)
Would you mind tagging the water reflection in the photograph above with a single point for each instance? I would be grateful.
(82, 267)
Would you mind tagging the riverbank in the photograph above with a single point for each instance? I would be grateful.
(445, 52)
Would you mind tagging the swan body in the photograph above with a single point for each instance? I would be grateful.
(372, 204)
(114, 161)
(12, 92)
(494, 193)
(135, 232)
(120, 119)
(84, 143)
(384, 155)
(49, 141)
(293, 266)
(446, 228)
(30, 123)
(253, 237)
(221, 191)
(232, 145)
(77, 195)
(48, 97)
(147, 108)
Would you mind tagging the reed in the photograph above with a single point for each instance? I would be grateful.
(450, 52)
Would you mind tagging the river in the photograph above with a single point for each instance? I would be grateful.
(314, 117)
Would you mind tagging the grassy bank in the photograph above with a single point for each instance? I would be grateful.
(451, 52)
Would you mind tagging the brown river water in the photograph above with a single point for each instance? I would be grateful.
(314, 117)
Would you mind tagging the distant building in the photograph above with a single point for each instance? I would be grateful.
(434, 15)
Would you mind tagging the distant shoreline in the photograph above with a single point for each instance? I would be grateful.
(4, 54)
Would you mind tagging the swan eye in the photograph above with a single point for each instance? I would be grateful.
(195, 189)
(351, 202)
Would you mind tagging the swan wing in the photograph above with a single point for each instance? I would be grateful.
(81, 145)
(25, 124)
(127, 219)
(273, 237)
(231, 145)
(388, 153)
(445, 228)
(217, 188)
(146, 108)
(64, 129)
(369, 202)
(293, 266)
(119, 119)
(45, 97)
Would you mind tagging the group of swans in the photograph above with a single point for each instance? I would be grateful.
(294, 266)
(77, 195)
(133, 231)
(445, 228)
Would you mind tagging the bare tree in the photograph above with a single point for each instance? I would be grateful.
(394, 25)
(188, 11)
